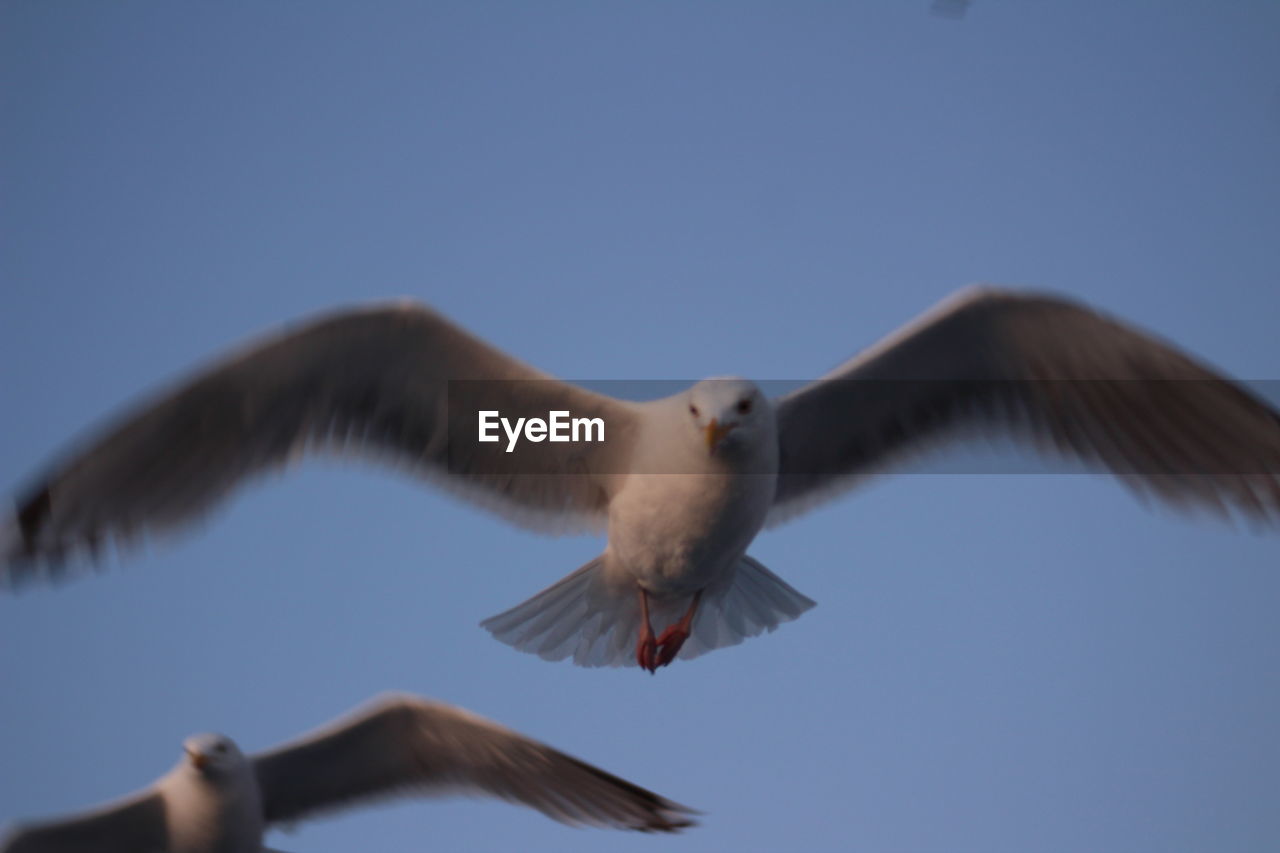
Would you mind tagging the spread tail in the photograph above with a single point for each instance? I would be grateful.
(596, 622)
(754, 601)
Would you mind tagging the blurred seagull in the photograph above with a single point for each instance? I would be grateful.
(682, 484)
(218, 800)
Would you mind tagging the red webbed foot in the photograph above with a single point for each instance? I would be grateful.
(647, 652)
(646, 646)
(668, 645)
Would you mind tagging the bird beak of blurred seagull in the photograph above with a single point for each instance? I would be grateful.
(716, 433)
(198, 758)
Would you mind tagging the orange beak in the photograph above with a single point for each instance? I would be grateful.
(716, 433)
(198, 759)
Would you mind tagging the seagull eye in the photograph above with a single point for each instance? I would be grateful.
(744, 406)
(693, 410)
(220, 748)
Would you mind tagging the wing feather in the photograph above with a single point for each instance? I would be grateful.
(398, 382)
(1043, 369)
(134, 826)
(405, 745)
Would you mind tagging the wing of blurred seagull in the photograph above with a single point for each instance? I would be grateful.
(1038, 367)
(136, 825)
(397, 381)
(405, 745)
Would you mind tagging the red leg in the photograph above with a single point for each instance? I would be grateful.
(673, 638)
(647, 647)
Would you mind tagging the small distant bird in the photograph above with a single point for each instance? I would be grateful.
(218, 800)
(683, 484)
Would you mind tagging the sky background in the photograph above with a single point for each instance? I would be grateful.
(656, 190)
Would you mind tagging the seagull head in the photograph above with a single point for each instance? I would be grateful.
(213, 754)
(727, 412)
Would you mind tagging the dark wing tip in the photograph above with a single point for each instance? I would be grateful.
(32, 515)
(660, 814)
(18, 564)
(27, 554)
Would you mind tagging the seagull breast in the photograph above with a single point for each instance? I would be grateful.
(685, 515)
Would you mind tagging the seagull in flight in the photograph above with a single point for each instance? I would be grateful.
(219, 800)
(683, 484)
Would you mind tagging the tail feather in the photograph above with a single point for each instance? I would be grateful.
(596, 622)
(579, 616)
(753, 602)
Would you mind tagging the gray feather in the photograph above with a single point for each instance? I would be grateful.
(405, 745)
(1042, 369)
(398, 382)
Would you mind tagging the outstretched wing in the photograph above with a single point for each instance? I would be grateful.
(399, 381)
(1042, 368)
(404, 745)
(135, 826)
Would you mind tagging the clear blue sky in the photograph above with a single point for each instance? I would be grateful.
(655, 190)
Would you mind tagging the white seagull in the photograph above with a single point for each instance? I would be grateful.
(682, 484)
(218, 800)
